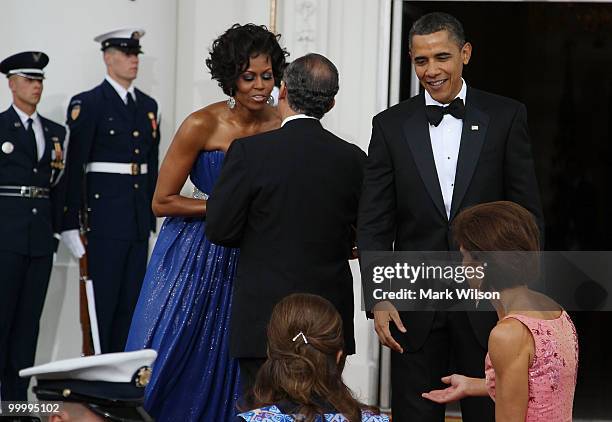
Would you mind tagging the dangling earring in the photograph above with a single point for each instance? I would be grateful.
(270, 101)
(231, 101)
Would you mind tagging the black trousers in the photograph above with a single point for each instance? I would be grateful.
(23, 287)
(248, 372)
(450, 348)
(117, 268)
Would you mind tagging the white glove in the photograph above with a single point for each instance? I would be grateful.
(72, 240)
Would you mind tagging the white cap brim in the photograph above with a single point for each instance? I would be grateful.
(109, 367)
(120, 33)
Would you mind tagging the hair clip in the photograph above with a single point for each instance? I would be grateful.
(303, 337)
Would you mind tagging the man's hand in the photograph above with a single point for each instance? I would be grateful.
(459, 388)
(72, 240)
(381, 323)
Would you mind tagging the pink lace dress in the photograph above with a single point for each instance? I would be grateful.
(552, 375)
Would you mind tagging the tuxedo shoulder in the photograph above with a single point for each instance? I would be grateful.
(493, 100)
(400, 110)
(348, 146)
(259, 140)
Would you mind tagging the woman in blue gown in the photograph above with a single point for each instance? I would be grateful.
(184, 306)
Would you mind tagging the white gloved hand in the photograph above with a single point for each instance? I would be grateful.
(72, 240)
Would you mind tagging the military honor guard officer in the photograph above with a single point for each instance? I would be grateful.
(106, 387)
(112, 171)
(31, 202)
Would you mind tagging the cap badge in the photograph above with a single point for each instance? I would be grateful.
(135, 35)
(75, 111)
(143, 376)
(36, 56)
(7, 147)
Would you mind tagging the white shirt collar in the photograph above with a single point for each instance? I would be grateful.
(121, 90)
(23, 116)
(430, 101)
(295, 117)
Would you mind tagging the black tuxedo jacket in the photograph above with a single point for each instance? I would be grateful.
(402, 206)
(288, 198)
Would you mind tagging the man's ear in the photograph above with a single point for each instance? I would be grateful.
(333, 103)
(282, 92)
(466, 53)
(106, 55)
(11, 84)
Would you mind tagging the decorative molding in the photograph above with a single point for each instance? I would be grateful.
(306, 27)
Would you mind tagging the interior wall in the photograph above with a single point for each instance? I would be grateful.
(198, 26)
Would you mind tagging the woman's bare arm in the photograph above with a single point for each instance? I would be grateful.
(511, 350)
(189, 140)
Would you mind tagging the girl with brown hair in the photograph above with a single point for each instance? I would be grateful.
(302, 378)
(533, 350)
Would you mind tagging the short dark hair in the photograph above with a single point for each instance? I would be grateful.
(438, 21)
(507, 236)
(231, 52)
(312, 84)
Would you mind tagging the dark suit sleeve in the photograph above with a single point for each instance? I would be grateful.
(82, 132)
(376, 223)
(520, 180)
(227, 207)
(152, 170)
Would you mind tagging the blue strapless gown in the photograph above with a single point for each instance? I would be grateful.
(183, 313)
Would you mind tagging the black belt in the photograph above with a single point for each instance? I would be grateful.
(25, 191)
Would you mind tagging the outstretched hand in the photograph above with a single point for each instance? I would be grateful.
(458, 388)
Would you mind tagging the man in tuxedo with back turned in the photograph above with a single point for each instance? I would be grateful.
(431, 156)
(289, 199)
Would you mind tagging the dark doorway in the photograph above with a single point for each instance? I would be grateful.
(556, 58)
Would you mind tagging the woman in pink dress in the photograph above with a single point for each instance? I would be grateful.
(533, 350)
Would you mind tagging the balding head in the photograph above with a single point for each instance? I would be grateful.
(312, 83)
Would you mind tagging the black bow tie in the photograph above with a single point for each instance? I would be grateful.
(435, 113)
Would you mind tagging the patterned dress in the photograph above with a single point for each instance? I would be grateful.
(274, 414)
(552, 375)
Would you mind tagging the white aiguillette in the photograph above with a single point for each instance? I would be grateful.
(7, 147)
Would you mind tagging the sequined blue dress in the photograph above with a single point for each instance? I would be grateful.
(183, 313)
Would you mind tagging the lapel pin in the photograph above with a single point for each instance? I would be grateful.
(17, 124)
(7, 147)
(474, 127)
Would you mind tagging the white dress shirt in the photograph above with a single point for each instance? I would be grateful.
(295, 117)
(121, 90)
(39, 134)
(445, 142)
